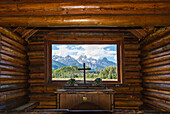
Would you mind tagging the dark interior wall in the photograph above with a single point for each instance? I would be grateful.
(13, 70)
(155, 53)
(128, 95)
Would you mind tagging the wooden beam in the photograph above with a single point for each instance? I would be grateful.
(87, 21)
(136, 33)
(58, 8)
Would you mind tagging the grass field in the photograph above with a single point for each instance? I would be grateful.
(88, 79)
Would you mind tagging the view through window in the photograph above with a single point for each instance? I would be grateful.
(101, 58)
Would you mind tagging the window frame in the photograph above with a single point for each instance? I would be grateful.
(48, 61)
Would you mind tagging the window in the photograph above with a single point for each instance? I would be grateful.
(63, 58)
(101, 58)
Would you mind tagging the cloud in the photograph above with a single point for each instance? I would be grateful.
(94, 51)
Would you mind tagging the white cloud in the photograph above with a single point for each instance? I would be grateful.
(94, 51)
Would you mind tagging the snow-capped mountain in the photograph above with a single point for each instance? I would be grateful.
(90, 62)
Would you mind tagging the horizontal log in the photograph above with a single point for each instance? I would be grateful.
(13, 52)
(158, 95)
(12, 35)
(158, 34)
(157, 77)
(165, 87)
(36, 75)
(5, 62)
(13, 87)
(158, 100)
(156, 51)
(36, 53)
(127, 81)
(157, 81)
(11, 77)
(36, 81)
(156, 55)
(128, 103)
(131, 46)
(158, 104)
(158, 59)
(156, 73)
(14, 43)
(11, 46)
(15, 103)
(83, 8)
(10, 96)
(158, 43)
(37, 43)
(82, 38)
(13, 59)
(13, 81)
(157, 64)
(13, 73)
(87, 20)
(127, 59)
(36, 47)
(159, 68)
(12, 68)
(157, 91)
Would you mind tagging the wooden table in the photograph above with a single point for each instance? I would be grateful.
(68, 98)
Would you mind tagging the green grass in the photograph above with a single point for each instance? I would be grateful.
(88, 79)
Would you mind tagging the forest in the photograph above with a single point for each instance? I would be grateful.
(64, 73)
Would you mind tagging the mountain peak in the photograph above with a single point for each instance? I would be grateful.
(104, 59)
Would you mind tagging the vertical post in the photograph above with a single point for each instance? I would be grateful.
(84, 73)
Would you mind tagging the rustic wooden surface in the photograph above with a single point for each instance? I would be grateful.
(13, 70)
(128, 96)
(121, 13)
(156, 69)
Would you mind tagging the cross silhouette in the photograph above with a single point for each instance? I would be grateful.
(84, 68)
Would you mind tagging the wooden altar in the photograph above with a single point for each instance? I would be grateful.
(85, 99)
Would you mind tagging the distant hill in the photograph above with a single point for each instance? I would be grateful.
(59, 61)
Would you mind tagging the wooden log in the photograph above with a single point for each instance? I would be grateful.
(11, 77)
(157, 64)
(5, 62)
(157, 91)
(158, 34)
(158, 95)
(37, 75)
(156, 73)
(13, 87)
(13, 73)
(128, 103)
(156, 44)
(156, 51)
(14, 43)
(12, 68)
(87, 20)
(157, 81)
(36, 47)
(157, 77)
(83, 8)
(131, 46)
(164, 87)
(156, 55)
(36, 53)
(13, 59)
(83, 38)
(13, 81)
(157, 99)
(158, 104)
(132, 59)
(158, 59)
(127, 81)
(11, 46)
(159, 68)
(12, 35)
(17, 102)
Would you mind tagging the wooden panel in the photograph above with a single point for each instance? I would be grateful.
(156, 70)
(13, 70)
(129, 92)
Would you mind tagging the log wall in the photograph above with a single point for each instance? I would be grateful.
(156, 70)
(13, 70)
(128, 95)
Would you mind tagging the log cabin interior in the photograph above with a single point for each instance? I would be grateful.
(139, 28)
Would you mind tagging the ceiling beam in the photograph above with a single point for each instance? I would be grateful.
(87, 21)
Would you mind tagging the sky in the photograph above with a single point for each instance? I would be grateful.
(90, 50)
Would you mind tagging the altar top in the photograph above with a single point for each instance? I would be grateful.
(84, 91)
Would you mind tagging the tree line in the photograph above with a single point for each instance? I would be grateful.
(109, 72)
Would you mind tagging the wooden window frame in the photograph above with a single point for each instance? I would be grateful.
(48, 60)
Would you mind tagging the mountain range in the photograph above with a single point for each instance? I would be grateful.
(59, 61)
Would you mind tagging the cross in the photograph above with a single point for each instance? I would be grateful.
(84, 68)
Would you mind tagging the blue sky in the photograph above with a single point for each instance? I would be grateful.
(95, 51)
